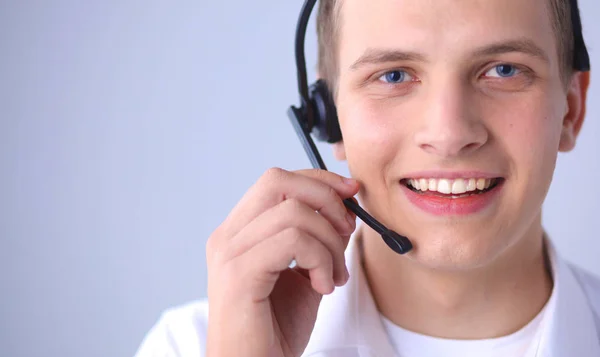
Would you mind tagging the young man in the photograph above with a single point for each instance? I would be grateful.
(452, 113)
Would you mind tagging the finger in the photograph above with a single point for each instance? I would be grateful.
(330, 179)
(263, 263)
(292, 213)
(321, 190)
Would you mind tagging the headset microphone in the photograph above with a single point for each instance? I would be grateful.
(317, 115)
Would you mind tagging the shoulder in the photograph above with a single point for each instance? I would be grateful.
(180, 331)
(590, 284)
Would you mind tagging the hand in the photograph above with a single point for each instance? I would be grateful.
(258, 305)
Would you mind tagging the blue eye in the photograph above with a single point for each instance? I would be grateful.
(502, 71)
(394, 77)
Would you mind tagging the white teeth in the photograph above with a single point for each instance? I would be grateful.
(481, 184)
(472, 185)
(488, 182)
(446, 186)
(424, 184)
(415, 184)
(458, 187)
(433, 185)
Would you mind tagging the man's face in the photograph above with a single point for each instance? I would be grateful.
(442, 90)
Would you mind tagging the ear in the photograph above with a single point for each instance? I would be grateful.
(576, 108)
(339, 152)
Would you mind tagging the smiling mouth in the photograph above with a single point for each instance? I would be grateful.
(447, 188)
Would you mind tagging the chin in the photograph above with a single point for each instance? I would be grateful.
(455, 248)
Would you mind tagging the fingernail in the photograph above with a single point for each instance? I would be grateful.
(349, 181)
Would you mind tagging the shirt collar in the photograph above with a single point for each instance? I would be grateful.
(569, 328)
(348, 318)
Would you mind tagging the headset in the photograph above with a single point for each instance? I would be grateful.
(317, 115)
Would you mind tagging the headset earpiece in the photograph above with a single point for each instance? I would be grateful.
(325, 122)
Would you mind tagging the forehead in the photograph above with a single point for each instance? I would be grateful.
(441, 28)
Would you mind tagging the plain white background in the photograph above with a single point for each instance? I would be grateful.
(129, 129)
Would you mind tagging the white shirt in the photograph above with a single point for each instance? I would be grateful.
(349, 324)
(522, 343)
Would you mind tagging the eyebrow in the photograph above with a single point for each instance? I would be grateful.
(378, 56)
(523, 45)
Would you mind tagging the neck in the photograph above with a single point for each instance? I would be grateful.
(492, 301)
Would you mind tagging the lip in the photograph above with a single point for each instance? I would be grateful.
(445, 206)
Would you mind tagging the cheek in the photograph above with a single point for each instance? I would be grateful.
(530, 133)
(371, 138)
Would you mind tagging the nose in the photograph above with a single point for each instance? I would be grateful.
(451, 125)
